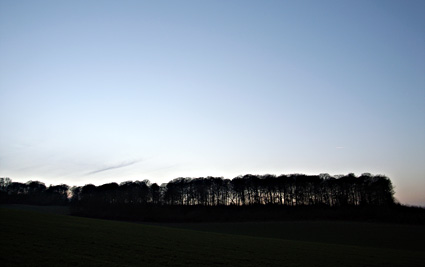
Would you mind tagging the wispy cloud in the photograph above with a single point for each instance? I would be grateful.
(339, 147)
(117, 166)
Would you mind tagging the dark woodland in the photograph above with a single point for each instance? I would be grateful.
(248, 197)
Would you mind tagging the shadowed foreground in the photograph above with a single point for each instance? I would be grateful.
(43, 239)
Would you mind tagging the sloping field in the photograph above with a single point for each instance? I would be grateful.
(31, 238)
(379, 235)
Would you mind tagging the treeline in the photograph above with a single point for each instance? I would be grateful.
(284, 190)
(33, 192)
(244, 198)
(287, 190)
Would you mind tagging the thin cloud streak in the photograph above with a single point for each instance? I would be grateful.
(122, 165)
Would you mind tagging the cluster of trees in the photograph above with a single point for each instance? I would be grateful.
(33, 192)
(244, 198)
(285, 190)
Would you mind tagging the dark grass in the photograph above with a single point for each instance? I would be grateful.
(380, 235)
(198, 213)
(30, 238)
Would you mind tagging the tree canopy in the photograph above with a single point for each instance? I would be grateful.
(285, 190)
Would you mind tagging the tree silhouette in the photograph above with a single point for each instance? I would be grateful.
(242, 196)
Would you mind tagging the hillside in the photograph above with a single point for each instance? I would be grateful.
(45, 239)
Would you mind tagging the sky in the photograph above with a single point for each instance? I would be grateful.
(111, 91)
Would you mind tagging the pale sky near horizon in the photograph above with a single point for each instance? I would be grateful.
(109, 91)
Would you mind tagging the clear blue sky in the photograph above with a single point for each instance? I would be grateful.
(109, 91)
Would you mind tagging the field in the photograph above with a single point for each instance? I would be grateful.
(32, 238)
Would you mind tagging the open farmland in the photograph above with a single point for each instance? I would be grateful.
(45, 239)
(379, 235)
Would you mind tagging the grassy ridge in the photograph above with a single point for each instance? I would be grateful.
(42, 239)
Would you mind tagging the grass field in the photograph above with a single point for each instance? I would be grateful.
(379, 235)
(30, 238)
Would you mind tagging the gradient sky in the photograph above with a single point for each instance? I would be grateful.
(109, 91)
